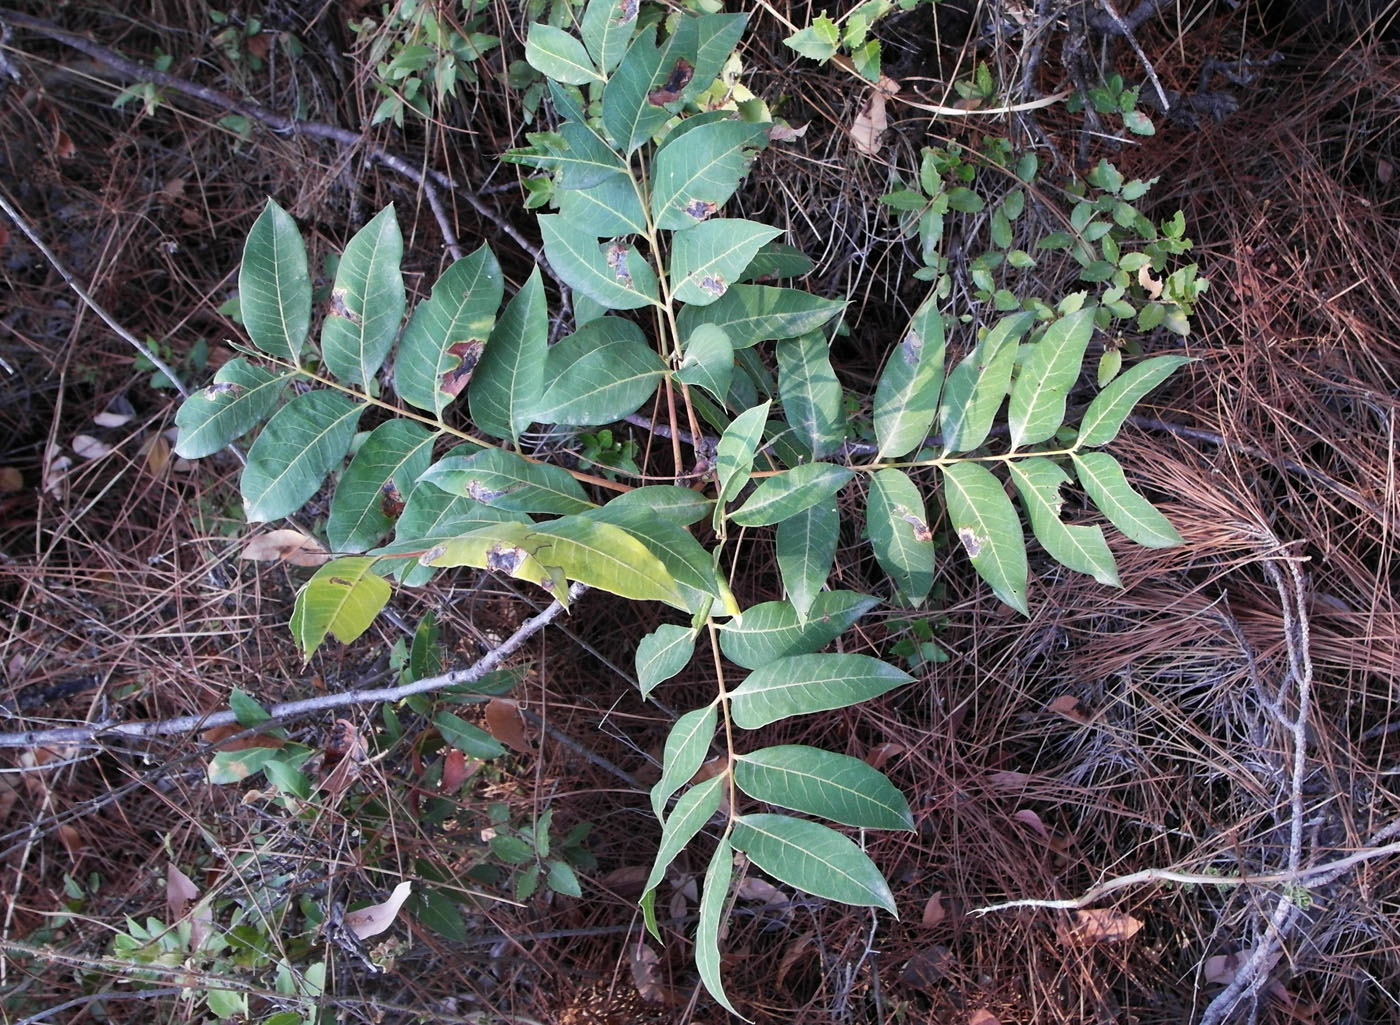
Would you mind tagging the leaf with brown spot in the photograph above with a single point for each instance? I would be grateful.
(469, 355)
(674, 85)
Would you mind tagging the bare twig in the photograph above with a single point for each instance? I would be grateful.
(1124, 29)
(97, 733)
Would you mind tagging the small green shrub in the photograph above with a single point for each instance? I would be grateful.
(638, 175)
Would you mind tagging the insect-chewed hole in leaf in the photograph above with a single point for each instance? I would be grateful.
(391, 500)
(676, 82)
(504, 558)
(218, 388)
(617, 262)
(469, 353)
(339, 309)
(481, 493)
(911, 348)
(435, 552)
(971, 541)
(921, 529)
(700, 209)
(714, 284)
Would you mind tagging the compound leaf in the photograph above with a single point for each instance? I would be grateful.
(303, 442)
(1037, 406)
(599, 374)
(509, 378)
(707, 258)
(814, 858)
(614, 275)
(686, 747)
(446, 336)
(1078, 546)
(1104, 482)
(504, 480)
(274, 287)
(802, 684)
(367, 302)
(906, 396)
(806, 545)
(341, 598)
(977, 385)
(817, 782)
(750, 314)
(897, 525)
(1111, 406)
(811, 394)
(370, 494)
(240, 397)
(774, 630)
(989, 529)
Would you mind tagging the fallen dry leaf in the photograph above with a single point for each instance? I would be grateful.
(1030, 818)
(88, 447)
(1221, 969)
(10, 479)
(1104, 925)
(1068, 706)
(646, 973)
(879, 755)
(373, 920)
(626, 881)
(71, 839)
(286, 545)
(503, 722)
(982, 1016)
(796, 951)
(180, 893)
(869, 125)
(761, 891)
(107, 418)
(157, 453)
(55, 476)
(455, 770)
(933, 910)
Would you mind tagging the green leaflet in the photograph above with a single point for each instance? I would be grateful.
(1104, 482)
(628, 114)
(686, 747)
(274, 287)
(823, 783)
(692, 567)
(1111, 406)
(976, 386)
(780, 260)
(667, 501)
(575, 153)
(1037, 406)
(341, 598)
(773, 630)
(554, 53)
(709, 257)
(806, 546)
(509, 378)
(605, 210)
(1079, 547)
(606, 27)
(811, 394)
(508, 481)
(599, 374)
(241, 395)
(304, 441)
(708, 361)
(791, 492)
(662, 654)
(615, 274)
(691, 813)
(989, 529)
(750, 314)
(712, 899)
(447, 333)
(906, 396)
(734, 455)
(370, 494)
(813, 858)
(367, 302)
(695, 172)
(898, 527)
(471, 740)
(802, 684)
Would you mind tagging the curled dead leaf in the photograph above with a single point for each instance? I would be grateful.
(180, 892)
(933, 910)
(1150, 283)
(503, 722)
(646, 973)
(1030, 818)
(1104, 925)
(285, 545)
(373, 920)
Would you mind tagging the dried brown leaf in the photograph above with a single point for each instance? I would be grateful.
(934, 911)
(503, 722)
(1070, 707)
(286, 545)
(982, 1016)
(1104, 925)
(10, 480)
(373, 920)
(87, 447)
(646, 973)
(1221, 969)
